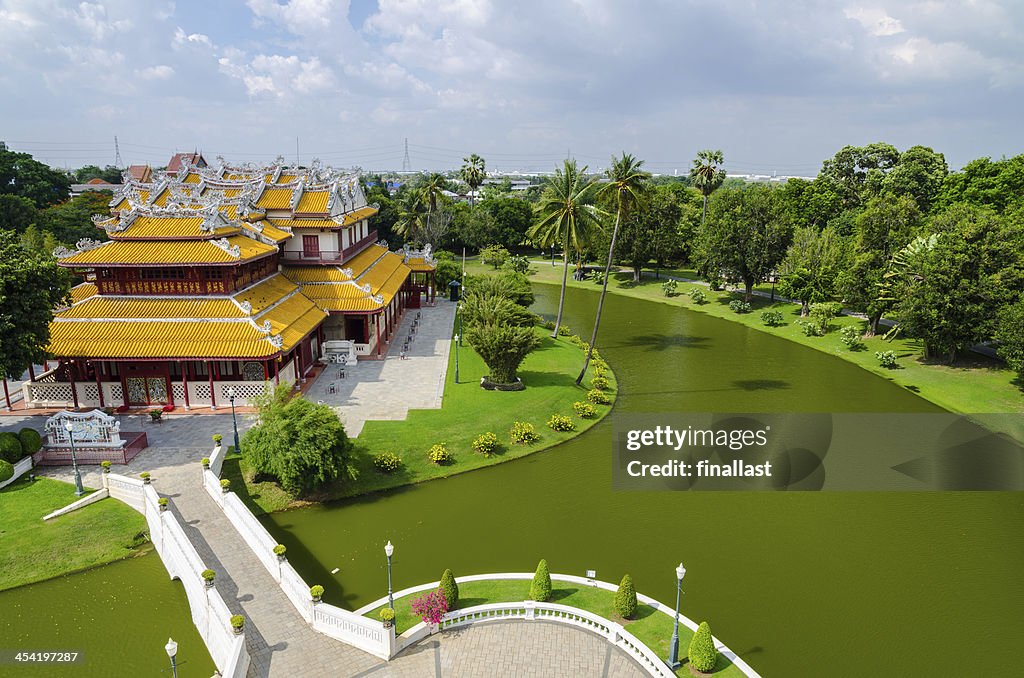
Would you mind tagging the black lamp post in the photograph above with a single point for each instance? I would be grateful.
(388, 550)
(172, 652)
(234, 420)
(79, 490)
(673, 653)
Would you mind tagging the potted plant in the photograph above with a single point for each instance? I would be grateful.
(155, 415)
(238, 624)
(225, 485)
(217, 438)
(387, 615)
(162, 502)
(279, 551)
(145, 477)
(206, 462)
(208, 577)
(106, 465)
(316, 592)
(431, 607)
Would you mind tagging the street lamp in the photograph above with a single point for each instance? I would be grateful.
(79, 490)
(388, 550)
(462, 308)
(234, 421)
(673, 652)
(172, 651)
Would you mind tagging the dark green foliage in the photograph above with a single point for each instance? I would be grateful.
(625, 598)
(540, 589)
(450, 588)
(517, 263)
(6, 470)
(301, 444)
(16, 213)
(998, 184)
(850, 336)
(30, 287)
(30, 439)
(509, 285)
(445, 271)
(1010, 335)
(494, 255)
(702, 653)
(772, 318)
(886, 359)
(823, 313)
(71, 220)
(480, 309)
(10, 447)
(503, 348)
(24, 176)
(738, 306)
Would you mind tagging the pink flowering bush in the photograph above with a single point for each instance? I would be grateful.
(431, 606)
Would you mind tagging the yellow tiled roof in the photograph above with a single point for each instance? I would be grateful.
(313, 202)
(155, 252)
(127, 307)
(306, 223)
(293, 318)
(378, 274)
(275, 199)
(418, 264)
(161, 200)
(266, 293)
(304, 274)
(284, 178)
(82, 292)
(269, 230)
(192, 178)
(365, 259)
(356, 215)
(122, 205)
(146, 226)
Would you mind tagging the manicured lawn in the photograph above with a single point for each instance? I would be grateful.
(974, 384)
(32, 550)
(466, 411)
(652, 628)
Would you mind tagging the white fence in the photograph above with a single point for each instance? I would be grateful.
(210, 613)
(21, 467)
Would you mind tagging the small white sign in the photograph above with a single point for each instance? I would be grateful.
(591, 574)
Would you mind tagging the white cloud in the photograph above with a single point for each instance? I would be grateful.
(160, 72)
(875, 21)
(299, 16)
(277, 75)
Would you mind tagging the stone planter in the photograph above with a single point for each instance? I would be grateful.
(209, 583)
(388, 624)
(239, 630)
(147, 481)
(282, 558)
(162, 508)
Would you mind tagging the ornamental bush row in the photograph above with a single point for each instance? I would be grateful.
(14, 446)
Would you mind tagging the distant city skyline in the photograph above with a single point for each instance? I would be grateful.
(778, 86)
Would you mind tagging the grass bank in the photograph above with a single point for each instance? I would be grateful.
(974, 384)
(32, 550)
(467, 411)
(651, 627)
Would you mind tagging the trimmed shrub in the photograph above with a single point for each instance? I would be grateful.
(564, 331)
(31, 441)
(316, 591)
(702, 653)
(10, 447)
(217, 438)
(106, 465)
(598, 397)
(387, 462)
(576, 340)
(6, 470)
(522, 433)
(146, 475)
(387, 615)
(450, 589)
(584, 410)
(209, 575)
(225, 483)
(600, 383)
(739, 306)
(560, 422)
(822, 314)
(280, 550)
(772, 318)
(597, 277)
(669, 287)
(163, 501)
(237, 622)
(850, 336)
(486, 444)
(597, 363)
(809, 329)
(439, 454)
(156, 415)
(548, 324)
(625, 598)
(886, 359)
(540, 589)
(698, 296)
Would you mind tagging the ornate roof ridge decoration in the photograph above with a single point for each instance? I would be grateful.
(106, 222)
(408, 253)
(300, 188)
(83, 245)
(276, 340)
(212, 218)
(233, 250)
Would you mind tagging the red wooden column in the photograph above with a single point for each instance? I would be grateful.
(99, 386)
(31, 372)
(277, 367)
(266, 371)
(7, 396)
(213, 397)
(74, 389)
(376, 327)
(184, 382)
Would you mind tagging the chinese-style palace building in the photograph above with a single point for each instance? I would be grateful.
(221, 278)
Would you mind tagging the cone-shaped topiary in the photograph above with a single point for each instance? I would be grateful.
(625, 598)
(450, 588)
(540, 589)
(702, 653)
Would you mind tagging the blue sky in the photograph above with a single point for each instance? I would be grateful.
(777, 85)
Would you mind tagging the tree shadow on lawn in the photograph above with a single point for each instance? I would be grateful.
(536, 379)
(561, 594)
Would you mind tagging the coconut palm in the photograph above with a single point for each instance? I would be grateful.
(626, 183)
(411, 213)
(707, 175)
(473, 173)
(567, 215)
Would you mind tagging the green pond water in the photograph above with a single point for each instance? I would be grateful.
(800, 584)
(119, 616)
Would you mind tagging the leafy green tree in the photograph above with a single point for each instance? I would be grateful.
(707, 176)
(812, 265)
(31, 286)
(627, 181)
(502, 347)
(21, 174)
(41, 243)
(495, 255)
(857, 172)
(16, 213)
(511, 218)
(567, 216)
(512, 286)
(625, 598)
(919, 174)
(1010, 335)
(302, 444)
(540, 588)
(109, 174)
(702, 653)
(473, 172)
(998, 184)
(450, 588)
(885, 226)
(71, 220)
(745, 237)
(811, 204)
(960, 285)
(485, 309)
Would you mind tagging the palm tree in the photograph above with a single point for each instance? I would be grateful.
(707, 175)
(567, 215)
(626, 183)
(473, 173)
(409, 223)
